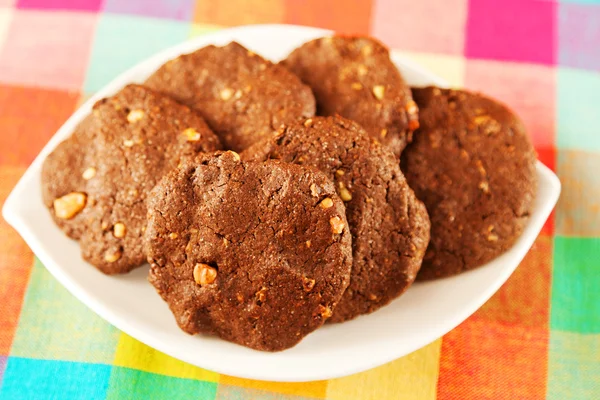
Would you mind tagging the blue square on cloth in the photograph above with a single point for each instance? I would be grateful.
(26, 378)
(578, 94)
(122, 41)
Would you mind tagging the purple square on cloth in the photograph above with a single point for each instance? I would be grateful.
(579, 35)
(3, 360)
(171, 9)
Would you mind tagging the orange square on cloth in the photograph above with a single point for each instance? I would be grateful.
(485, 360)
(15, 265)
(29, 117)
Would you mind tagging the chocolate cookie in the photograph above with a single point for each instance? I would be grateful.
(473, 166)
(389, 226)
(242, 96)
(256, 253)
(355, 78)
(95, 183)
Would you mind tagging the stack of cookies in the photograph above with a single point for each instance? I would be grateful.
(271, 198)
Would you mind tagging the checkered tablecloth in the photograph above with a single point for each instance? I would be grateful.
(538, 337)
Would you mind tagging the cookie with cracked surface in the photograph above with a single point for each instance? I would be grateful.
(95, 183)
(256, 253)
(355, 78)
(389, 226)
(242, 96)
(473, 166)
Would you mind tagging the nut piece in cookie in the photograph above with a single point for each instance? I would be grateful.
(473, 166)
(240, 266)
(95, 183)
(242, 96)
(355, 78)
(69, 205)
(389, 226)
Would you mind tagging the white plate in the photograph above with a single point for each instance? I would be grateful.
(426, 312)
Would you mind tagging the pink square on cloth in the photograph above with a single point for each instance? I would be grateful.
(527, 89)
(432, 26)
(54, 54)
(514, 30)
(79, 5)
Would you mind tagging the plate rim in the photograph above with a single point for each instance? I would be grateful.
(10, 214)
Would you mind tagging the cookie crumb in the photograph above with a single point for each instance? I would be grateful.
(173, 235)
(356, 86)
(340, 172)
(308, 122)
(383, 132)
(308, 243)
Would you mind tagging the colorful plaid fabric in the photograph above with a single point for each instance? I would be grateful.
(538, 337)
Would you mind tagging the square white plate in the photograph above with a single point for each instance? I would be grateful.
(426, 312)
